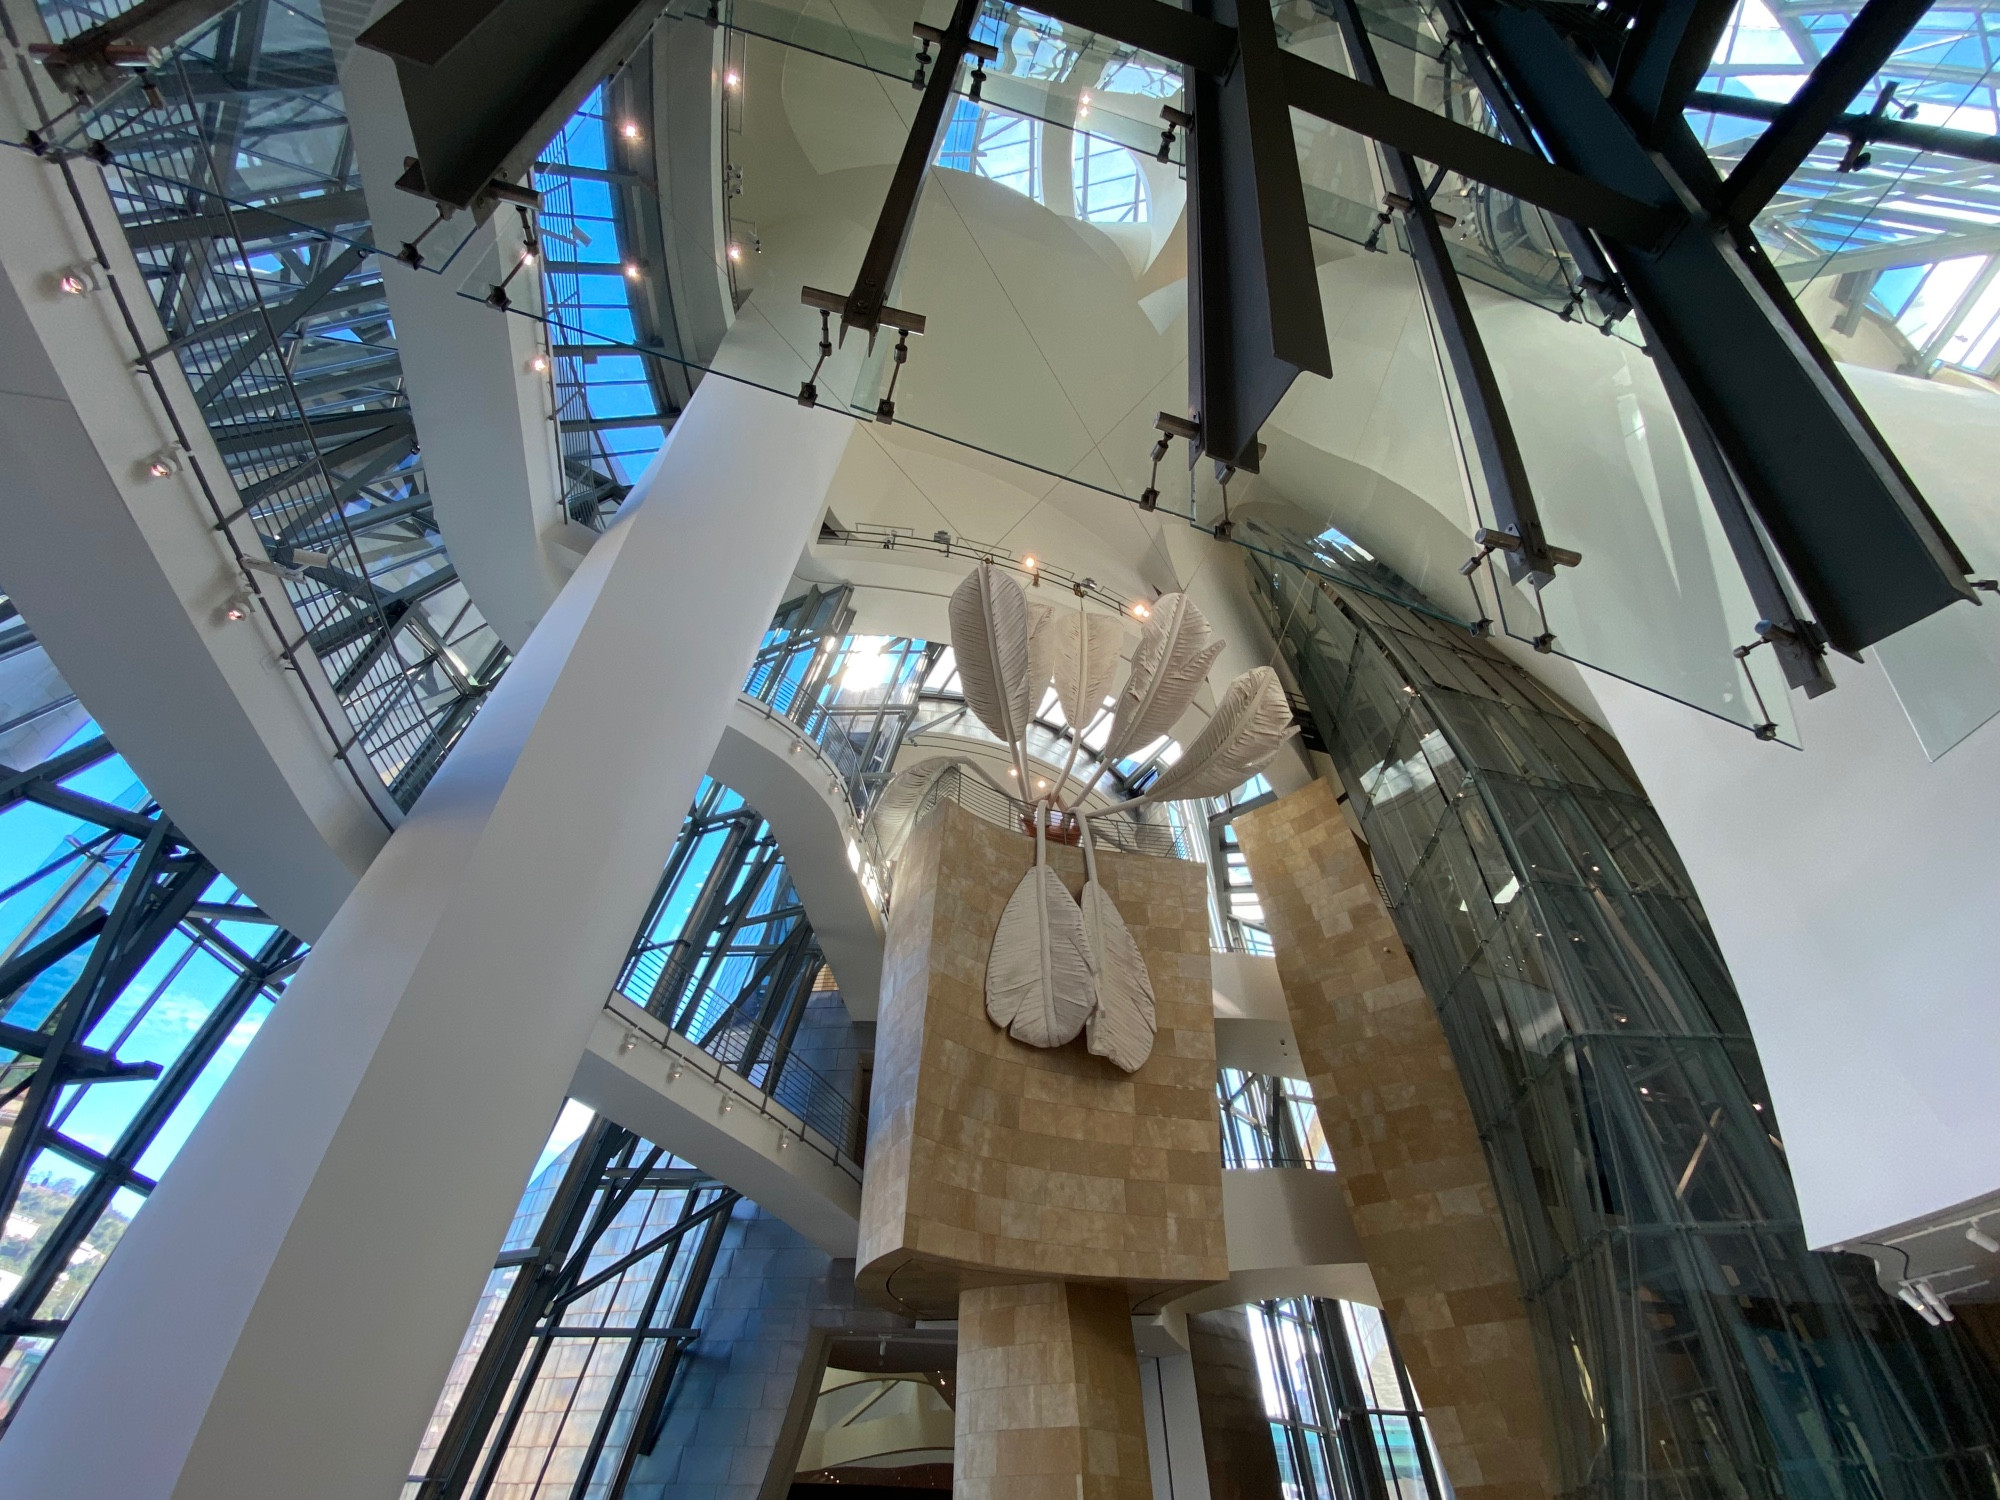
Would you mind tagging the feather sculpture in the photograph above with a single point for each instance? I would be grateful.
(1122, 1023)
(1086, 659)
(1250, 724)
(1044, 647)
(990, 632)
(894, 816)
(1039, 983)
(1168, 669)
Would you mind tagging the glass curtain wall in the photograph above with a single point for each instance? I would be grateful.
(1343, 1415)
(1270, 1122)
(563, 1380)
(1690, 1343)
(132, 978)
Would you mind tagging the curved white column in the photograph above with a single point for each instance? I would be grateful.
(1290, 1235)
(782, 774)
(284, 1312)
(125, 580)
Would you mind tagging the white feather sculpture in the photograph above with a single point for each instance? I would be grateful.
(1086, 660)
(1169, 666)
(990, 631)
(1039, 982)
(1044, 647)
(894, 816)
(1122, 1023)
(1250, 725)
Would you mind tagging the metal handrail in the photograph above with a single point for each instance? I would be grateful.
(801, 1102)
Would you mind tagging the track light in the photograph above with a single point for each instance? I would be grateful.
(1922, 1308)
(631, 270)
(539, 365)
(77, 280)
(1139, 611)
(630, 129)
(1938, 1305)
(732, 79)
(1030, 564)
(1982, 1239)
(237, 610)
(163, 465)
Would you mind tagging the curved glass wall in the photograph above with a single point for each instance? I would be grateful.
(1690, 1343)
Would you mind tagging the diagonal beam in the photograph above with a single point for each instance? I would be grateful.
(884, 256)
(1849, 63)
(280, 320)
(298, 215)
(1941, 140)
(1371, 110)
(1493, 441)
(1664, 59)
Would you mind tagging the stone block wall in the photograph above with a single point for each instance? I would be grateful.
(1049, 1405)
(1409, 1157)
(989, 1160)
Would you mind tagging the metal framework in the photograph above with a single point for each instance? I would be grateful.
(564, 1378)
(235, 182)
(1690, 1344)
(1270, 1122)
(1343, 1415)
(132, 975)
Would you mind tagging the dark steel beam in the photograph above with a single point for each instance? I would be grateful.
(1663, 59)
(378, 606)
(1858, 539)
(245, 437)
(1493, 441)
(280, 320)
(1255, 320)
(311, 216)
(1371, 110)
(1849, 63)
(89, 809)
(89, 62)
(884, 255)
(31, 961)
(1886, 129)
(488, 83)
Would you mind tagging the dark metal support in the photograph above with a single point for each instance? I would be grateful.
(1867, 43)
(1864, 549)
(1871, 127)
(884, 256)
(1499, 453)
(1253, 288)
(1664, 59)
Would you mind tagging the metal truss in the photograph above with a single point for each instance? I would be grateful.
(1270, 1122)
(130, 977)
(234, 180)
(563, 1383)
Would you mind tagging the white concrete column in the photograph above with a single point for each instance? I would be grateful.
(281, 1317)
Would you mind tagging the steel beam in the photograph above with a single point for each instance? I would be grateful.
(1889, 131)
(488, 83)
(280, 320)
(1664, 58)
(1255, 319)
(1860, 542)
(884, 256)
(1369, 109)
(1493, 440)
(1867, 43)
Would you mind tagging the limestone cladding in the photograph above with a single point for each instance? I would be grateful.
(1049, 1403)
(1403, 1138)
(991, 1161)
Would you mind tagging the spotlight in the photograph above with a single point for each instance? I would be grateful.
(1139, 611)
(1982, 1239)
(77, 280)
(1041, 785)
(1922, 1308)
(237, 610)
(1012, 772)
(1030, 564)
(736, 252)
(732, 79)
(631, 270)
(630, 130)
(539, 364)
(163, 465)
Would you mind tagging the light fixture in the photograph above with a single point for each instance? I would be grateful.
(1139, 611)
(1041, 785)
(539, 364)
(631, 270)
(163, 465)
(736, 252)
(1938, 1305)
(528, 257)
(727, 1105)
(76, 280)
(674, 1073)
(630, 1040)
(630, 130)
(1922, 1308)
(1982, 1239)
(1030, 564)
(1012, 772)
(732, 79)
(237, 610)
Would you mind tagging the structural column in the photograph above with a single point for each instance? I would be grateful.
(1048, 1395)
(1403, 1138)
(281, 1317)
